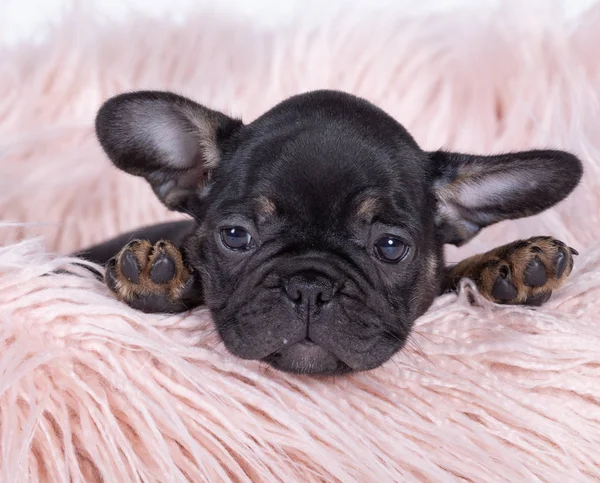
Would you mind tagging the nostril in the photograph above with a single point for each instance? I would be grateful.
(293, 292)
(324, 297)
(310, 291)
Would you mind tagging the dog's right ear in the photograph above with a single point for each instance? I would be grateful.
(171, 141)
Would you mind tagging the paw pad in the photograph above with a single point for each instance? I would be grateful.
(539, 299)
(152, 278)
(535, 273)
(163, 270)
(525, 272)
(503, 289)
(130, 267)
(561, 262)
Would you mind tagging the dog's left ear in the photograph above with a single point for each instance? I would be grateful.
(171, 141)
(476, 191)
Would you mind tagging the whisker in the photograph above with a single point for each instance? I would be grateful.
(406, 341)
(421, 334)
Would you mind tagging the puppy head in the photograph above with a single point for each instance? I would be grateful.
(321, 223)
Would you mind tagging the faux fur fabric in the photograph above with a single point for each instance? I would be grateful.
(91, 390)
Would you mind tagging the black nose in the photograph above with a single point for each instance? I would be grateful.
(309, 289)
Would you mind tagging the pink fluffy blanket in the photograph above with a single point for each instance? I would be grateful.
(91, 390)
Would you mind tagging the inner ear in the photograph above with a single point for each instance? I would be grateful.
(171, 141)
(476, 191)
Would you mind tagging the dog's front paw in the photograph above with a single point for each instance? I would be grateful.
(151, 278)
(525, 272)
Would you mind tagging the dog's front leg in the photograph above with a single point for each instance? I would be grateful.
(146, 269)
(524, 272)
(153, 277)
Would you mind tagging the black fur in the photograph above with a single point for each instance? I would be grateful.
(316, 158)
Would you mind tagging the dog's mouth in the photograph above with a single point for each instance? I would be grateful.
(307, 357)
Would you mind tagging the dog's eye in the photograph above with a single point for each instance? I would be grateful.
(391, 249)
(236, 238)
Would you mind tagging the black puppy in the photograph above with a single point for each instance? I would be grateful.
(319, 227)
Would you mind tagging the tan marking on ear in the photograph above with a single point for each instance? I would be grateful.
(206, 131)
(367, 207)
(444, 192)
(266, 207)
(449, 191)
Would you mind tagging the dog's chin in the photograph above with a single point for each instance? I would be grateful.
(307, 357)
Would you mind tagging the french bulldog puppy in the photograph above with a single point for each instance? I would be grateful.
(318, 229)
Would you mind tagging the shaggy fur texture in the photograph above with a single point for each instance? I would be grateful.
(91, 390)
